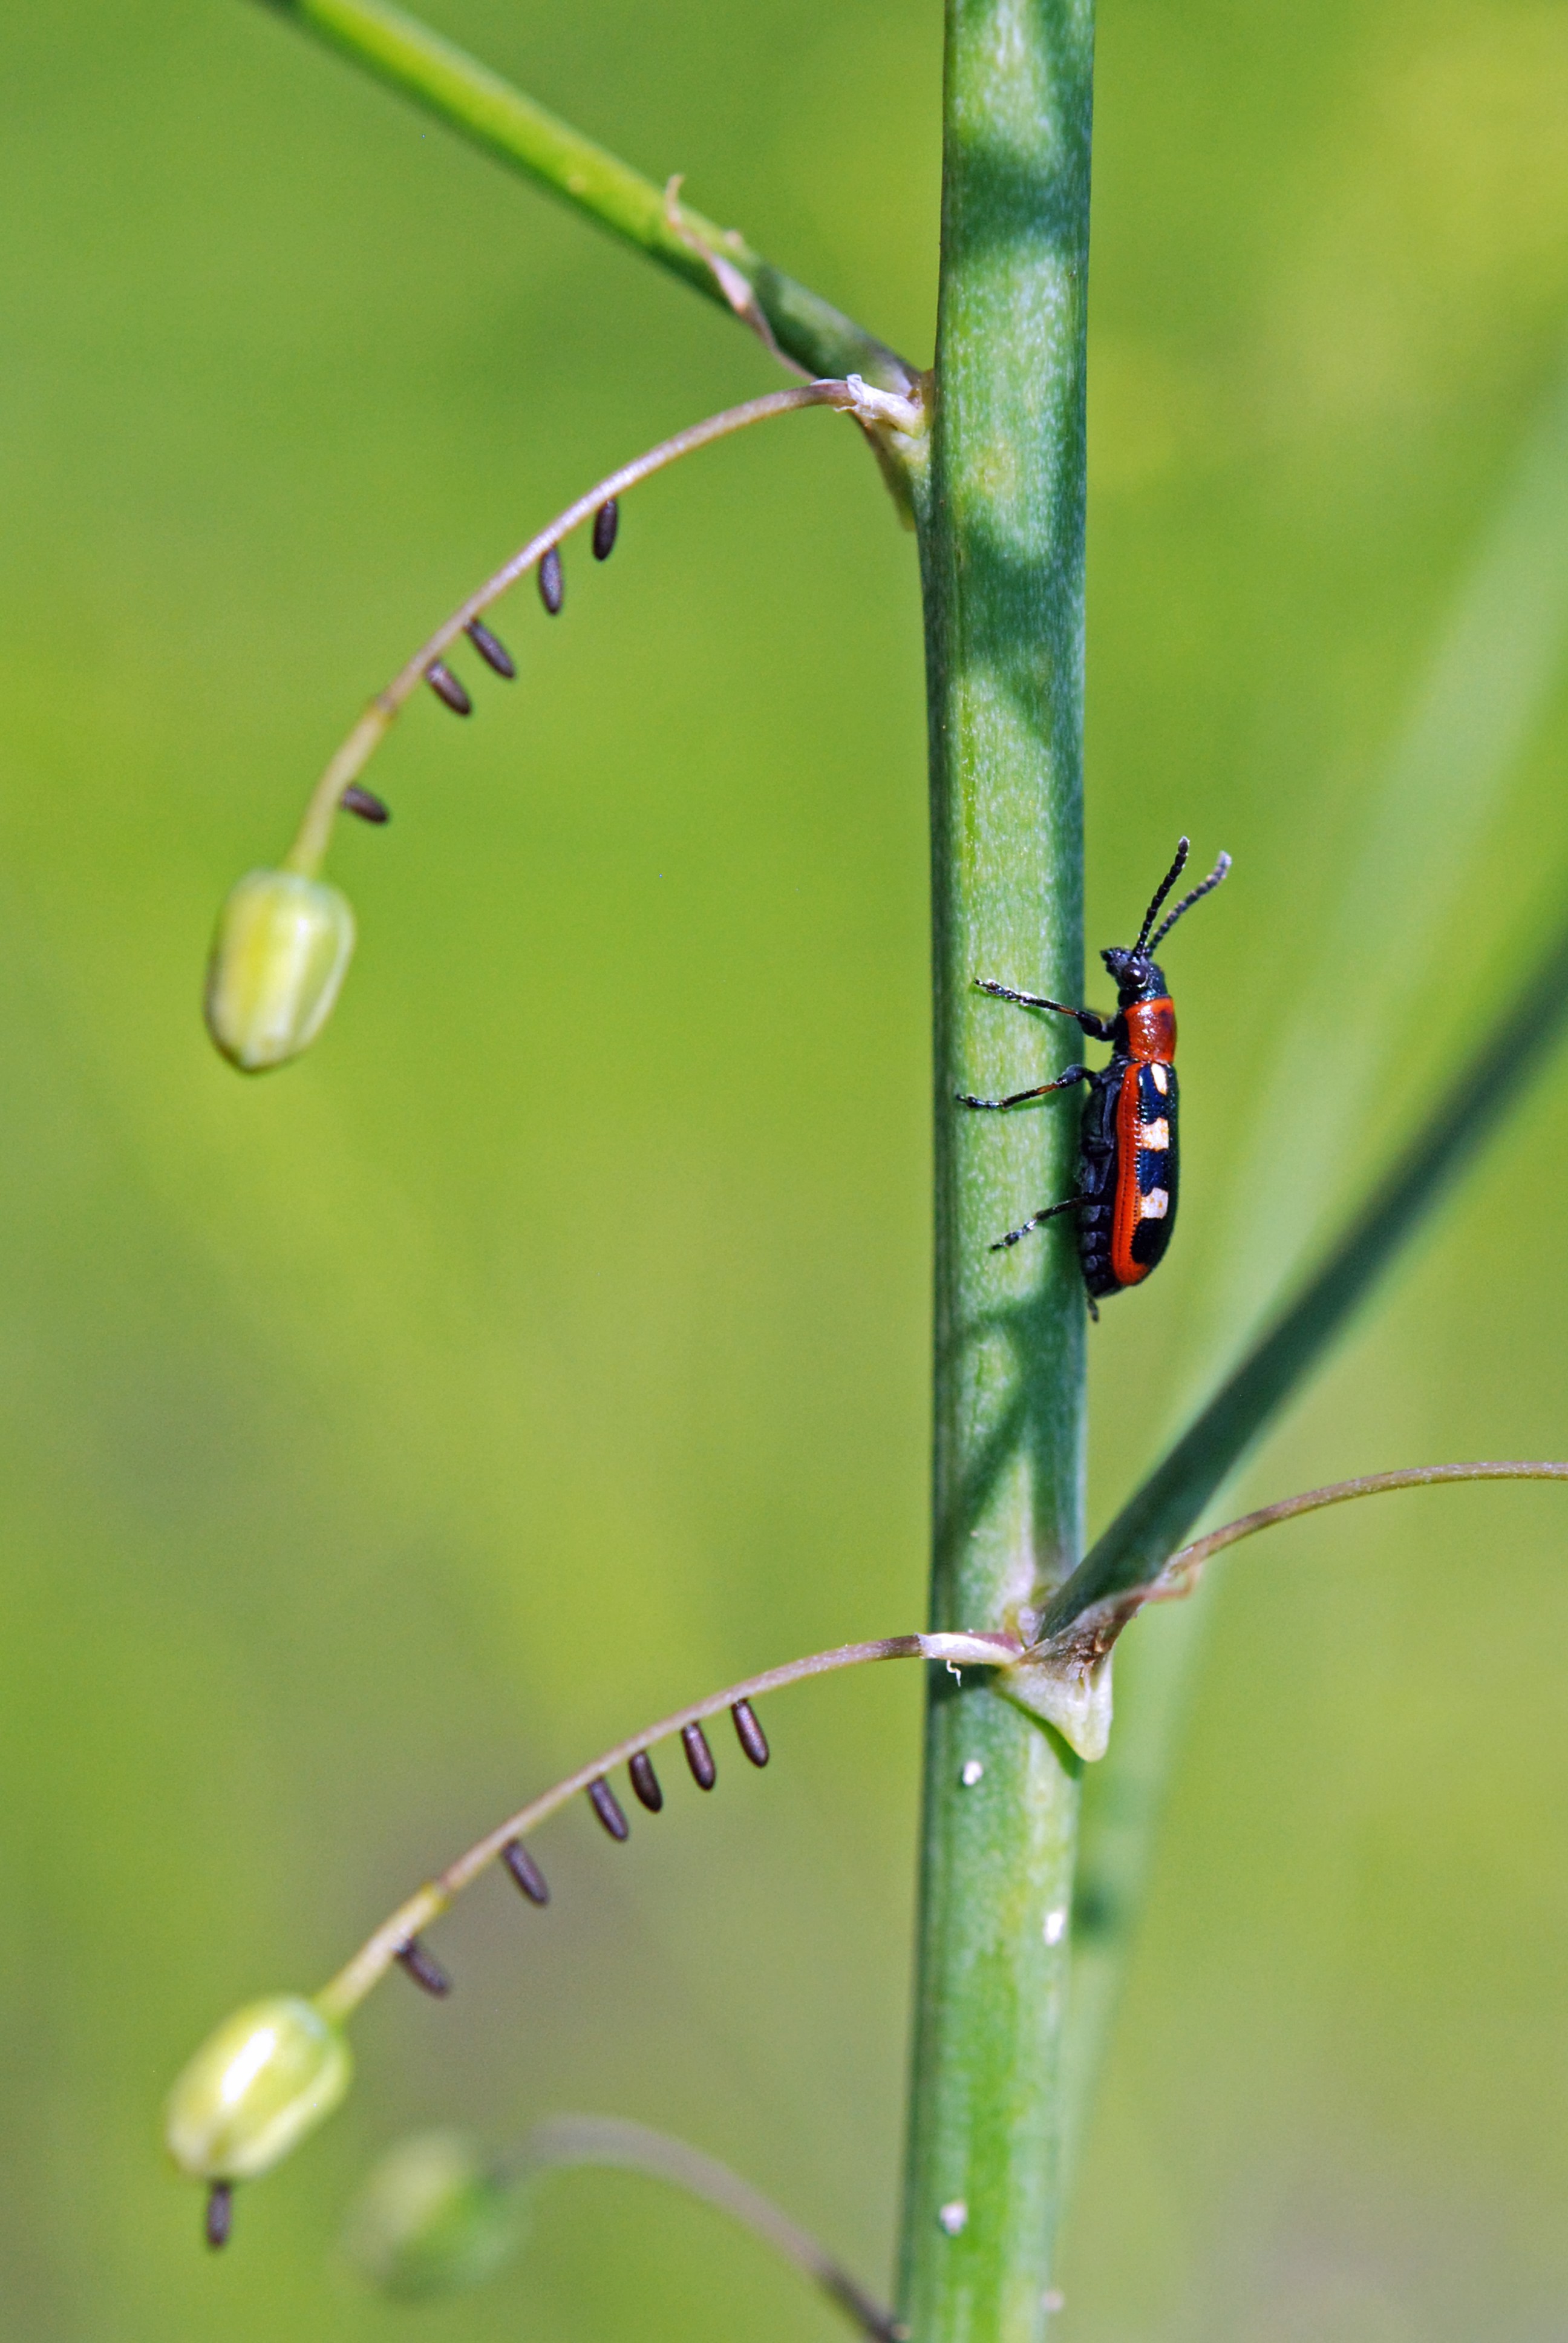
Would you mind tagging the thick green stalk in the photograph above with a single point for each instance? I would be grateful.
(484, 107)
(1001, 537)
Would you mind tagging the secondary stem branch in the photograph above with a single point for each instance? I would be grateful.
(485, 108)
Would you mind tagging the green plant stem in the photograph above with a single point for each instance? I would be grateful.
(485, 108)
(1123, 1803)
(1001, 541)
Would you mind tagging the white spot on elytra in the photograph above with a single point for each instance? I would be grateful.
(1160, 1078)
(954, 2218)
(972, 1771)
(1154, 1205)
(1055, 1925)
(1156, 1135)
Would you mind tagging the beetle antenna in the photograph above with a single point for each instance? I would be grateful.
(1197, 895)
(1161, 892)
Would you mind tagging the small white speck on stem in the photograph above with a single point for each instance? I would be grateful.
(972, 1772)
(954, 2218)
(1055, 1925)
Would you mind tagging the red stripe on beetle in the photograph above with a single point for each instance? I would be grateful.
(1127, 1209)
(1113, 1133)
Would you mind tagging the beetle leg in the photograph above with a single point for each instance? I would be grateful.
(1096, 1027)
(1069, 1204)
(1021, 1097)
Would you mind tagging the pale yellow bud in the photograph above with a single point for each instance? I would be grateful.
(269, 2075)
(278, 957)
(434, 2217)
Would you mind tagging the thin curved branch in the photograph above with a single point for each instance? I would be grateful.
(1078, 1652)
(376, 1954)
(1179, 1573)
(875, 412)
(567, 2141)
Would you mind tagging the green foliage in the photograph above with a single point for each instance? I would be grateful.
(572, 1286)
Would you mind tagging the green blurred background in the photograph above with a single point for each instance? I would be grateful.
(382, 1437)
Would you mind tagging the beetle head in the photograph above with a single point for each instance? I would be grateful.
(1135, 976)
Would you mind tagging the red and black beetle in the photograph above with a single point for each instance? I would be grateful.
(1126, 1152)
